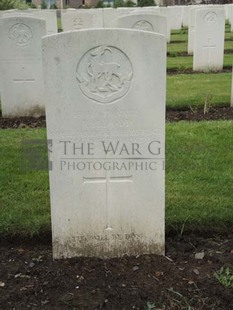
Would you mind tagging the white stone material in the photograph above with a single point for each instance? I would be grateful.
(21, 66)
(81, 19)
(50, 17)
(165, 12)
(106, 86)
(176, 17)
(226, 10)
(146, 22)
(209, 39)
(186, 11)
(110, 17)
(191, 30)
(230, 16)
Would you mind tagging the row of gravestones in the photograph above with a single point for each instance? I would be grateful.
(20, 54)
(21, 77)
(72, 19)
(105, 94)
(206, 38)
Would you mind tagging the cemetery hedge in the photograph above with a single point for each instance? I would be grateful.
(199, 177)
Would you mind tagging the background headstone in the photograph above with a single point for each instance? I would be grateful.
(176, 17)
(146, 22)
(50, 17)
(209, 39)
(21, 66)
(186, 10)
(106, 86)
(81, 19)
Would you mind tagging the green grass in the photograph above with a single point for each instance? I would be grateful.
(59, 25)
(183, 46)
(199, 180)
(199, 176)
(24, 197)
(184, 90)
(186, 62)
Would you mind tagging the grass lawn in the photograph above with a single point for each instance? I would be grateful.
(186, 62)
(199, 176)
(182, 35)
(59, 25)
(183, 47)
(198, 190)
(184, 90)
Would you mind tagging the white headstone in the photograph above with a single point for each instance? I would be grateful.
(186, 11)
(191, 30)
(105, 114)
(21, 66)
(50, 17)
(176, 17)
(230, 15)
(156, 11)
(164, 11)
(209, 39)
(81, 19)
(226, 10)
(146, 22)
(110, 17)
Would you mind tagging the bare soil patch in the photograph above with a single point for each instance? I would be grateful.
(30, 279)
(175, 115)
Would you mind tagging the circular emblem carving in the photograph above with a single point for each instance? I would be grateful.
(21, 34)
(104, 74)
(143, 25)
(210, 17)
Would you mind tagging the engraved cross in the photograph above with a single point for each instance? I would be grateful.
(107, 180)
(22, 80)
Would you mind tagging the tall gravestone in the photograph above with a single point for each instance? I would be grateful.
(21, 66)
(105, 114)
(146, 22)
(209, 39)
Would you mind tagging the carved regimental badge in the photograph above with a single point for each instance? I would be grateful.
(210, 17)
(104, 74)
(143, 25)
(20, 33)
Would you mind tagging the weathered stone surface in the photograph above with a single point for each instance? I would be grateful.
(21, 66)
(105, 115)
